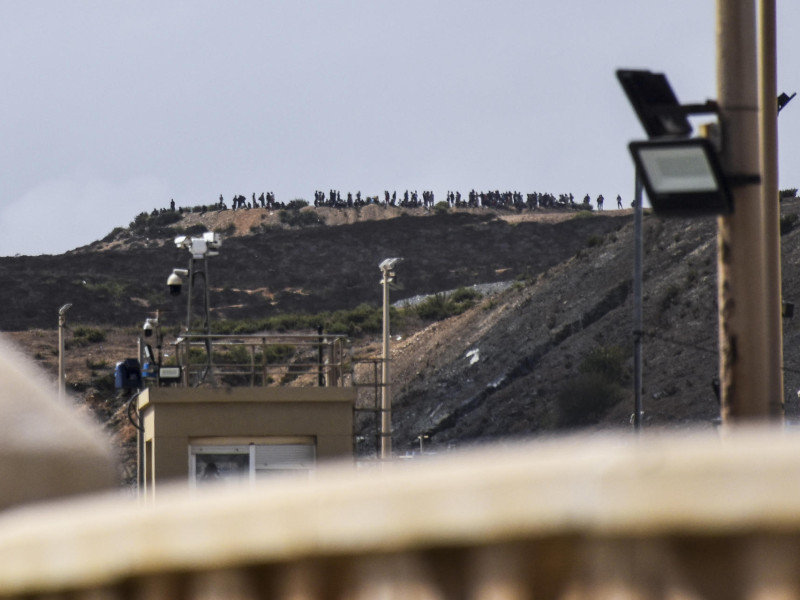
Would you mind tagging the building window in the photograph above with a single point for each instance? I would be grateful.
(237, 463)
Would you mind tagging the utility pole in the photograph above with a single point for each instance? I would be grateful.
(768, 93)
(638, 320)
(746, 346)
(388, 278)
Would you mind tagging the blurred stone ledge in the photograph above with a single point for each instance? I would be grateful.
(683, 515)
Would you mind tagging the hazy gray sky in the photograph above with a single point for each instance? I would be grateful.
(112, 108)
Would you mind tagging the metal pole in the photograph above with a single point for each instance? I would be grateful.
(768, 89)
(320, 359)
(742, 297)
(206, 297)
(62, 392)
(190, 291)
(386, 396)
(637, 302)
(62, 322)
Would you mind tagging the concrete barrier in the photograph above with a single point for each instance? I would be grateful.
(658, 516)
(47, 448)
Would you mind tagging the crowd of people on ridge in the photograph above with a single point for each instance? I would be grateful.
(411, 199)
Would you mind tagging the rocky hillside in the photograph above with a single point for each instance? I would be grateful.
(552, 351)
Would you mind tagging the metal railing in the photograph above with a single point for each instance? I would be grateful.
(261, 360)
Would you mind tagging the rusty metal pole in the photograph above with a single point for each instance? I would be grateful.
(768, 93)
(742, 293)
(386, 391)
(62, 323)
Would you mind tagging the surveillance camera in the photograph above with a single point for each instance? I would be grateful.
(148, 328)
(174, 282)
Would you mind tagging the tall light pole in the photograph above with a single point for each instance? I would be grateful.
(388, 278)
(62, 322)
(748, 365)
(638, 320)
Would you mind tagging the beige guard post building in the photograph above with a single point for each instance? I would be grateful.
(240, 434)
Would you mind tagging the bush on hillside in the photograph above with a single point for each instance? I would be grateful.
(441, 208)
(300, 218)
(83, 336)
(297, 204)
(442, 305)
(146, 220)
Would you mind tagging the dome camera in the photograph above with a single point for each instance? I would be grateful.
(175, 282)
(148, 328)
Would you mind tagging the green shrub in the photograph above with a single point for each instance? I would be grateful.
(145, 223)
(83, 336)
(442, 305)
(278, 353)
(433, 308)
(465, 295)
(236, 355)
(362, 320)
(441, 208)
(115, 233)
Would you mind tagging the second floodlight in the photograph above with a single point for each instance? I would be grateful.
(682, 177)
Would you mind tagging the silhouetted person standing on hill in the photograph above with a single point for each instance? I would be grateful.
(619, 202)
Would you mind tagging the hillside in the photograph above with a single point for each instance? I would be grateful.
(272, 268)
(551, 352)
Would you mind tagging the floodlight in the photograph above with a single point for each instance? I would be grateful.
(169, 374)
(389, 263)
(682, 177)
(389, 276)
